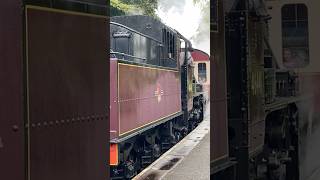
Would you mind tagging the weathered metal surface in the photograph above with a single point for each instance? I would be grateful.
(98, 7)
(67, 93)
(238, 74)
(146, 95)
(256, 85)
(218, 98)
(114, 123)
(11, 92)
(256, 137)
(220, 131)
(144, 24)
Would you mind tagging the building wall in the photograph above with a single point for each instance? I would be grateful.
(206, 84)
(275, 37)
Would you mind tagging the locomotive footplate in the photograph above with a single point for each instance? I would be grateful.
(141, 130)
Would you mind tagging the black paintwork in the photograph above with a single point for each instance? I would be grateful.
(148, 40)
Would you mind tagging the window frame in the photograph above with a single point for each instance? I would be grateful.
(292, 25)
(203, 73)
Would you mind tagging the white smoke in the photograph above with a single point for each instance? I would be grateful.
(202, 38)
(175, 5)
(190, 17)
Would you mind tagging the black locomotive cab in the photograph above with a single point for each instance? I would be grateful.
(154, 44)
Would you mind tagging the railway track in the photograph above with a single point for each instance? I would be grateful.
(176, 155)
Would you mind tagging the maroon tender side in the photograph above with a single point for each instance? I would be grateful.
(146, 95)
(11, 91)
(68, 95)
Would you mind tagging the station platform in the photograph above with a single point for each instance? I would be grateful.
(187, 160)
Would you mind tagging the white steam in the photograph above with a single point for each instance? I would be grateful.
(190, 17)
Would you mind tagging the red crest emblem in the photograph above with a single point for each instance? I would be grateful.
(158, 92)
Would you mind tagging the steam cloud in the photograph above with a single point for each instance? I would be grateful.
(309, 130)
(175, 5)
(202, 38)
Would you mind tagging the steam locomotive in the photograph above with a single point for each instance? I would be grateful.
(256, 115)
(154, 98)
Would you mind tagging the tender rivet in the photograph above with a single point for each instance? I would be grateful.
(15, 128)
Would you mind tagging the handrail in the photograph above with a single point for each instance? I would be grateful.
(123, 54)
(144, 63)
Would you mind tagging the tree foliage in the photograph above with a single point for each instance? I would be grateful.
(126, 7)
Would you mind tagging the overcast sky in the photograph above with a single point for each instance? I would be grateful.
(183, 16)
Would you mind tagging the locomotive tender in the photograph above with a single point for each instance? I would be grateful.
(54, 89)
(255, 101)
(153, 99)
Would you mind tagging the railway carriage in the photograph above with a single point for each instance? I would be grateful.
(202, 71)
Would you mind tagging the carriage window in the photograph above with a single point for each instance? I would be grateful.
(295, 46)
(202, 72)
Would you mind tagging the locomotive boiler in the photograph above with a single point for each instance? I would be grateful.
(153, 99)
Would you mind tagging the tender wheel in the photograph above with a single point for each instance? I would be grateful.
(130, 167)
